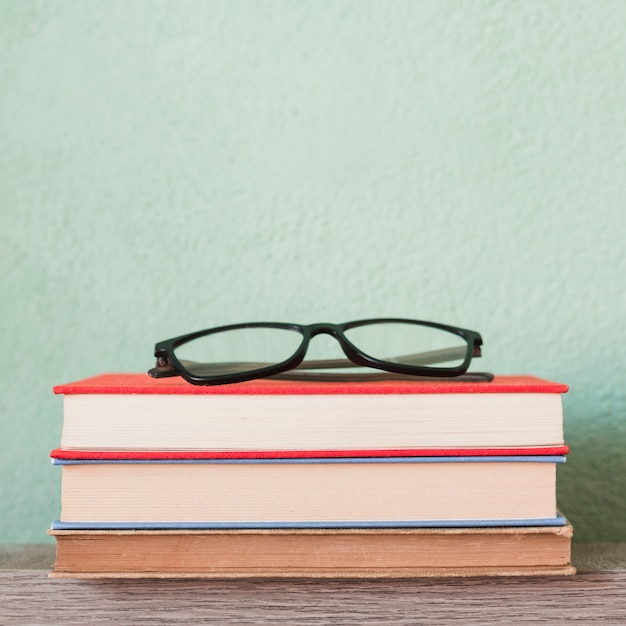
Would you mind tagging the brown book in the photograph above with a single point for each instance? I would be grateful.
(344, 553)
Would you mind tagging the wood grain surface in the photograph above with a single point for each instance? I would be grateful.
(29, 597)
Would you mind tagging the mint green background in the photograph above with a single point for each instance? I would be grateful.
(170, 166)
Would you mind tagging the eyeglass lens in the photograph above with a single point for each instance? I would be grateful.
(412, 344)
(240, 350)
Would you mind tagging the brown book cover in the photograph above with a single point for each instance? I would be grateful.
(320, 553)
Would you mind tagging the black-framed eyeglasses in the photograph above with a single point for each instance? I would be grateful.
(394, 346)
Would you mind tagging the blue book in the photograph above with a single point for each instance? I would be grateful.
(396, 492)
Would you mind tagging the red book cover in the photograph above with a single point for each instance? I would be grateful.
(223, 455)
(126, 383)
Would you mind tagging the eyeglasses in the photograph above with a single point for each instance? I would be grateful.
(398, 347)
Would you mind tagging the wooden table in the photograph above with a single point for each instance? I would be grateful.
(596, 595)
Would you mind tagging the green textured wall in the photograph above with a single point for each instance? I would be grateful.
(169, 166)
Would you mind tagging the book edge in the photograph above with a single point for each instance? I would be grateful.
(566, 530)
(565, 570)
(135, 383)
(62, 454)
(557, 520)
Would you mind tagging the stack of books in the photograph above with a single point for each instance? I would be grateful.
(161, 478)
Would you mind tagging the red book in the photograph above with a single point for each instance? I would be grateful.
(120, 416)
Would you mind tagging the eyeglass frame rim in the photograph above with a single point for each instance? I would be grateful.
(166, 349)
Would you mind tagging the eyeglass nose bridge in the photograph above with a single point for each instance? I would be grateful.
(336, 331)
(324, 329)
